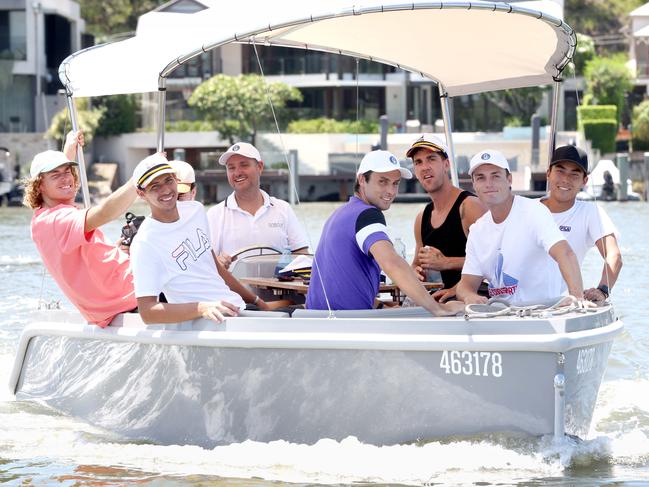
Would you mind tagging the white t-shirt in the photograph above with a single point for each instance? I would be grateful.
(583, 225)
(513, 255)
(176, 259)
(274, 225)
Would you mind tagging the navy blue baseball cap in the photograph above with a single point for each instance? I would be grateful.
(570, 153)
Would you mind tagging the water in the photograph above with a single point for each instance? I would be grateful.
(41, 447)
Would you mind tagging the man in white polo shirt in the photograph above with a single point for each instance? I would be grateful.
(249, 216)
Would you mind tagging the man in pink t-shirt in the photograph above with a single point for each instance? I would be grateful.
(91, 271)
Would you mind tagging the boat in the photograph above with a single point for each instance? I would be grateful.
(385, 376)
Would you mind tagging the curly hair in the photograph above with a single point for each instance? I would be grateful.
(33, 198)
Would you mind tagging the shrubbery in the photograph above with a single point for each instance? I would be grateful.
(189, 126)
(641, 126)
(599, 124)
(331, 126)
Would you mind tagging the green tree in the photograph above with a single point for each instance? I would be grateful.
(88, 120)
(520, 103)
(584, 53)
(119, 114)
(608, 80)
(601, 18)
(238, 106)
(641, 126)
(115, 16)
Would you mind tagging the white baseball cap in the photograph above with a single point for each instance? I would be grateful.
(430, 142)
(488, 157)
(48, 161)
(184, 174)
(382, 161)
(243, 148)
(150, 168)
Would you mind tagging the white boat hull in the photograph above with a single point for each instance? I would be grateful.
(383, 380)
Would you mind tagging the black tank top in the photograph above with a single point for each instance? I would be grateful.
(449, 237)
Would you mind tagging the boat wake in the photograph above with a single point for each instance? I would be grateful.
(29, 431)
(18, 260)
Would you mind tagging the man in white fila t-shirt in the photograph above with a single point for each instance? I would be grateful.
(584, 224)
(516, 245)
(249, 216)
(172, 254)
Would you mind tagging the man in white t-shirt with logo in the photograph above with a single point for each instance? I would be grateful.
(172, 254)
(584, 224)
(516, 245)
(249, 216)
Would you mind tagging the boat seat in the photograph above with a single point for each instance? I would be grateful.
(411, 312)
(263, 314)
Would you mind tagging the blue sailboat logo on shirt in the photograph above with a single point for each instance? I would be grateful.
(504, 285)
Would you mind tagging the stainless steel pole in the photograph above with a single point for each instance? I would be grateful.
(556, 92)
(80, 159)
(162, 98)
(448, 131)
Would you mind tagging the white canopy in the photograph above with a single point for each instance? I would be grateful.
(478, 45)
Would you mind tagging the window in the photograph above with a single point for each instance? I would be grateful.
(13, 38)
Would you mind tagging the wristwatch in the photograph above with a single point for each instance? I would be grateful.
(604, 289)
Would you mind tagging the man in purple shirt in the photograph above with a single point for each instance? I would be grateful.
(355, 246)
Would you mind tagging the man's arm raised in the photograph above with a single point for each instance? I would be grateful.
(114, 205)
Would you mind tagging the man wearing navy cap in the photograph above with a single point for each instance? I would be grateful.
(584, 224)
(355, 247)
(515, 246)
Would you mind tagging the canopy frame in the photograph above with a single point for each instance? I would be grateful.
(284, 27)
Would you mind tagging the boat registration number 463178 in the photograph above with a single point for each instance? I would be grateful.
(481, 364)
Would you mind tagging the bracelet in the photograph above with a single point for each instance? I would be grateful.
(256, 300)
(604, 289)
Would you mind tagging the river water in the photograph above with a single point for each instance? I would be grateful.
(39, 446)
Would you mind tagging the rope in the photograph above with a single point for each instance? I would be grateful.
(478, 311)
(357, 114)
(285, 153)
(592, 187)
(41, 302)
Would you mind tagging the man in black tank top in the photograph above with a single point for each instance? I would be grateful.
(442, 226)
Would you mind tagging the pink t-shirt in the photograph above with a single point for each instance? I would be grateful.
(93, 273)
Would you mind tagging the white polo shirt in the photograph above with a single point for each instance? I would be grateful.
(274, 225)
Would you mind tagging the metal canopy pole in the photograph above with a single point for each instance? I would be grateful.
(448, 131)
(556, 92)
(80, 159)
(162, 97)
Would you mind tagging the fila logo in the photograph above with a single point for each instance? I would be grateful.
(187, 249)
(565, 228)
